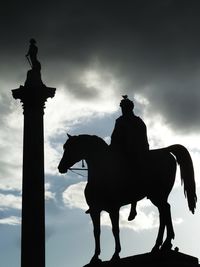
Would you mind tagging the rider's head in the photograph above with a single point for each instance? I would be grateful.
(126, 105)
(32, 41)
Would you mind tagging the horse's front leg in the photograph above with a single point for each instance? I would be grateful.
(95, 216)
(114, 216)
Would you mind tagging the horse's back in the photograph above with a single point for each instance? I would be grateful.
(115, 183)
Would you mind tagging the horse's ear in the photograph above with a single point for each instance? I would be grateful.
(69, 135)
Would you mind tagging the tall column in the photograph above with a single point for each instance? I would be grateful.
(33, 96)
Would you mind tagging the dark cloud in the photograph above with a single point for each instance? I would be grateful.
(152, 47)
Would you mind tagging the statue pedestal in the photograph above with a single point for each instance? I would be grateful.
(161, 259)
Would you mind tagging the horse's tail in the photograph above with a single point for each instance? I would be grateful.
(187, 173)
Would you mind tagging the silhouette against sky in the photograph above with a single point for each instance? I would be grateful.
(93, 52)
(126, 172)
(33, 97)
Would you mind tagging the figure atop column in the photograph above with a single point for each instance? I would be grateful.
(32, 55)
(33, 75)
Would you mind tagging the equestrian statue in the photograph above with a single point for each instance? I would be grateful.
(126, 171)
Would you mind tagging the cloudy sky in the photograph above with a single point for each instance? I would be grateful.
(93, 52)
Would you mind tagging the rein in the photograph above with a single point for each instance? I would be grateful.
(78, 169)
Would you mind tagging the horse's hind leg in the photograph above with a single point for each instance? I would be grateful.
(95, 216)
(167, 245)
(114, 216)
(159, 239)
(165, 221)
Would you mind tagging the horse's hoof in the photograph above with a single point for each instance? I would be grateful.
(115, 257)
(155, 249)
(176, 249)
(166, 247)
(95, 260)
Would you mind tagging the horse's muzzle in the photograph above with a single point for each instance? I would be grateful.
(62, 169)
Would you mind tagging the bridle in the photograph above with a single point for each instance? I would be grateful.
(79, 169)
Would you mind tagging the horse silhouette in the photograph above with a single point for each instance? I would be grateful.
(112, 184)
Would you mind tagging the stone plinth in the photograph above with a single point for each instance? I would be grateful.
(161, 259)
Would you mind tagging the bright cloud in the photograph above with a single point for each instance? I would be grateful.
(10, 201)
(62, 114)
(73, 196)
(12, 220)
(49, 195)
(11, 148)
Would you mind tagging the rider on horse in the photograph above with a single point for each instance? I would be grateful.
(129, 139)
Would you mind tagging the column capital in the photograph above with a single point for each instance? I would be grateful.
(33, 96)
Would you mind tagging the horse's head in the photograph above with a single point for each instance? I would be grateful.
(71, 155)
(76, 148)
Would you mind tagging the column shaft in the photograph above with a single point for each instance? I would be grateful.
(33, 200)
(33, 206)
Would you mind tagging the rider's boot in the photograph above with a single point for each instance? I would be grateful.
(133, 212)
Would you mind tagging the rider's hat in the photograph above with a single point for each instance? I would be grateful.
(126, 103)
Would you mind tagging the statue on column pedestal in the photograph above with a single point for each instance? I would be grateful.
(33, 75)
(33, 96)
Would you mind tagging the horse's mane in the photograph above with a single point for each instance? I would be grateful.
(98, 141)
